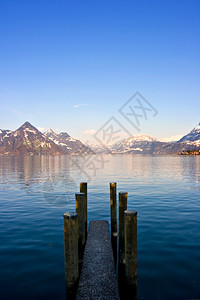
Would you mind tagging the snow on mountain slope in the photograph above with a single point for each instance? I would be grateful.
(4, 135)
(137, 144)
(192, 136)
(171, 139)
(68, 143)
(27, 140)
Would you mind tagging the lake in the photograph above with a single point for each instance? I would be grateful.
(36, 191)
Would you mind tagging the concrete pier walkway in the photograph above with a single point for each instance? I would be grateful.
(98, 277)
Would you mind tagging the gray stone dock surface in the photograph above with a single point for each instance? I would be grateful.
(98, 277)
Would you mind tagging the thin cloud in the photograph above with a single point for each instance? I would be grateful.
(80, 105)
(90, 131)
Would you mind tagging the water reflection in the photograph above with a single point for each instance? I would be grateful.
(31, 169)
(46, 174)
(164, 190)
(177, 167)
(49, 175)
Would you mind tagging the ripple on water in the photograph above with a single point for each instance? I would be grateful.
(164, 191)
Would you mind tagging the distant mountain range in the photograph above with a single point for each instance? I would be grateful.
(144, 144)
(29, 140)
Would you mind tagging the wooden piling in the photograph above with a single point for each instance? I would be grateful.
(131, 248)
(83, 189)
(113, 215)
(81, 224)
(113, 208)
(122, 209)
(71, 253)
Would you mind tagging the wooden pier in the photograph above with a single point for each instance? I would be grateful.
(98, 277)
(90, 257)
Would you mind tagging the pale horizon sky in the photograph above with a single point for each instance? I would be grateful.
(71, 66)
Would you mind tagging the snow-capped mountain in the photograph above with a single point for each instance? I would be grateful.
(140, 138)
(193, 137)
(139, 144)
(145, 144)
(189, 142)
(100, 149)
(27, 140)
(171, 139)
(68, 143)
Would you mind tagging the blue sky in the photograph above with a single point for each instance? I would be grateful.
(71, 65)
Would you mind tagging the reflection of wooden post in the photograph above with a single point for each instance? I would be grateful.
(113, 214)
(131, 248)
(122, 208)
(71, 252)
(83, 189)
(81, 224)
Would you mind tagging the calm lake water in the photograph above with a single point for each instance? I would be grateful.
(36, 191)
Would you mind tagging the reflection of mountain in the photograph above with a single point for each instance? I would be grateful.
(139, 170)
(31, 169)
(50, 176)
(57, 176)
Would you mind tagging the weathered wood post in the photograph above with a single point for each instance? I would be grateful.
(122, 208)
(113, 214)
(71, 253)
(83, 189)
(113, 208)
(81, 224)
(131, 250)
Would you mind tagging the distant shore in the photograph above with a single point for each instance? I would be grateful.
(190, 152)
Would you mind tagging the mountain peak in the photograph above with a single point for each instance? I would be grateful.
(28, 126)
(64, 135)
(65, 141)
(50, 131)
(50, 134)
(141, 138)
(28, 140)
(193, 135)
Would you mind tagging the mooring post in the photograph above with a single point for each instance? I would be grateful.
(131, 250)
(83, 189)
(113, 208)
(113, 214)
(81, 224)
(121, 252)
(71, 253)
(122, 208)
